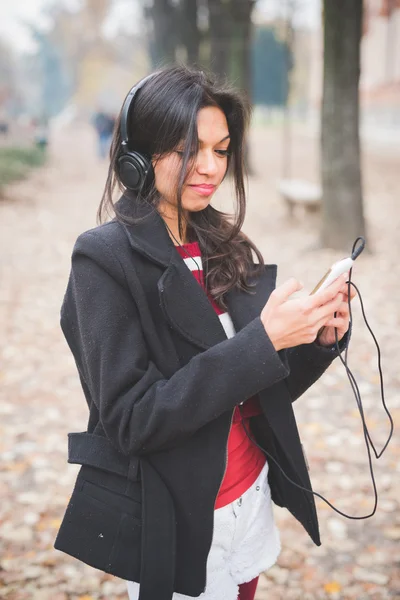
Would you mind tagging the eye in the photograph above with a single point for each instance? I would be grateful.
(181, 153)
(223, 152)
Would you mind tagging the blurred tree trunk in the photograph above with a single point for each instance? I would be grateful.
(342, 207)
(189, 31)
(163, 40)
(241, 67)
(230, 33)
(242, 29)
(220, 31)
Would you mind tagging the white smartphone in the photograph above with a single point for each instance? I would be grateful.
(342, 266)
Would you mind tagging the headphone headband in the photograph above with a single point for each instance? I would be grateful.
(126, 109)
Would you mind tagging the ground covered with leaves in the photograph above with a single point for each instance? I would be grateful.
(41, 400)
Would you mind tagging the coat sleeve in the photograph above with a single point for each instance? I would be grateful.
(140, 410)
(306, 364)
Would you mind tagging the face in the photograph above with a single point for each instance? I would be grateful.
(208, 170)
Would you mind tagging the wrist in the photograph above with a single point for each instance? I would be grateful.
(272, 339)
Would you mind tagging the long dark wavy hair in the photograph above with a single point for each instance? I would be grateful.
(163, 117)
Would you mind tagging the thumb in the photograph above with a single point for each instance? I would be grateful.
(285, 290)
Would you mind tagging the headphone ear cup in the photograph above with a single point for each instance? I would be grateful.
(133, 170)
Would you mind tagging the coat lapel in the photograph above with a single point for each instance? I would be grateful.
(183, 301)
(187, 307)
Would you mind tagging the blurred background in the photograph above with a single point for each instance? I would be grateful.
(323, 159)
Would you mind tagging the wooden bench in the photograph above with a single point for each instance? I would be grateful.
(300, 193)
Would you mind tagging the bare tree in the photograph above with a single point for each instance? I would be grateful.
(161, 15)
(220, 36)
(230, 35)
(189, 32)
(242, 29)
(342, 207)
(173, 26)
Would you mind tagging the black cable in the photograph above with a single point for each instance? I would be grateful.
(185, 251)
(353, 382)
(355, 253)
(356, 391)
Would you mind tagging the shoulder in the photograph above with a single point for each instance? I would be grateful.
(105, 245)
(267, 272)
(107, 236)
(107, 239)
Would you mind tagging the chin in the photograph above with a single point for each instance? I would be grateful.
(196, 205)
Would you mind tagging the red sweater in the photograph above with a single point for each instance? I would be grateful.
(244, 460)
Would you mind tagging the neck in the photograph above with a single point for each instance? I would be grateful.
(170, 218)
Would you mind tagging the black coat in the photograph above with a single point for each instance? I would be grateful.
(161, 381)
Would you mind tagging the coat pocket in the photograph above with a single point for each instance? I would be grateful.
(111, 499)
(102, 528)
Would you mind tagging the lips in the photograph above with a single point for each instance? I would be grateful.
(204, 189)
(205, 186)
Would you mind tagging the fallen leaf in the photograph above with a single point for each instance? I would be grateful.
(333, 587)
(16, 467)
(56, 523)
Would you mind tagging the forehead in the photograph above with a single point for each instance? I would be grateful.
(212, 125)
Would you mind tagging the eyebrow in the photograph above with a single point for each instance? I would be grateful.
(220, 142)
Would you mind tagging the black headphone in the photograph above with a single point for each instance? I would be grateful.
(133, 167)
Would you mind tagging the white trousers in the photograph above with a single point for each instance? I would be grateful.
(245, 543)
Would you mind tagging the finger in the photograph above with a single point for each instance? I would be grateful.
(343, 310)
(345, 291)
(332, 322)
(342, 313)
(284, 291)
(353, 293)
(338, 322)
(329, 309)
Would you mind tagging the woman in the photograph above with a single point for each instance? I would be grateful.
(188, 358)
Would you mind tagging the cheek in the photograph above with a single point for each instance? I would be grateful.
(166, 174)
(222, 167)
(224, 170)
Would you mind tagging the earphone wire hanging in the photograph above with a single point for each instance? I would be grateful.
(356, 391)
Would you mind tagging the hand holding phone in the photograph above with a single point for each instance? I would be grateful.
(292, 322)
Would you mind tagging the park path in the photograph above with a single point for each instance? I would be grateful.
(41, 400)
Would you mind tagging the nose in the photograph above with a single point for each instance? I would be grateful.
(206, 163)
